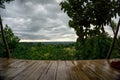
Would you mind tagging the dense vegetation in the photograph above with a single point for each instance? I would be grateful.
(38, 51)
(44, 51)
(95, 47)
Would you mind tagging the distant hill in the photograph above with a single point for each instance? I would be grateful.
(48, 42)
(57, 42)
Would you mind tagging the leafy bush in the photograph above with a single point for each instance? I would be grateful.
(12, 41)
(95, 47)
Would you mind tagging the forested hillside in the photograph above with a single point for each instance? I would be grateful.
(95, 48)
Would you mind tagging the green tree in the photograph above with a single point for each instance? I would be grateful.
(87, 13)
(12, 40)
(88, 18)
(114, 39)
(95, 47)
(2, 2)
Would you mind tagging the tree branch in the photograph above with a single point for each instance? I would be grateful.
(113, 42)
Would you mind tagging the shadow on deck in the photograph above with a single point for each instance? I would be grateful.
(15, 69)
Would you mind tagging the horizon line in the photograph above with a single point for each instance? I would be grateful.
(47, 41)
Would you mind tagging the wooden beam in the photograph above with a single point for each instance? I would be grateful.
(4, 39)
(113, 42)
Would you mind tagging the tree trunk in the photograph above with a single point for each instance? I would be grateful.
(113, 29)
(113, 42)
(103, 30)
(4, 40)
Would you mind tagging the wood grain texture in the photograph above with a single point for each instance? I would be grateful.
(15, 69)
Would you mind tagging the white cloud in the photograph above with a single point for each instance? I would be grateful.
(58, 1)
(40, 9)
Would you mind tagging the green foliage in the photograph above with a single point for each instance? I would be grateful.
(116, 50)
(88, 18)
(38, 51)
(95, 47)
(84, 13)
(12, 40)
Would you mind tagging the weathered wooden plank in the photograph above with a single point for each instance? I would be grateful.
(15, 69)
(76, 72)
(4, 65)
(26, 73)
(39, 70)
(71, 72)
(50, 72)
(96, 71)
(62, 71)
(84, 66)
(105, 70)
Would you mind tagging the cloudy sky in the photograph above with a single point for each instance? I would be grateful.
(38, 20)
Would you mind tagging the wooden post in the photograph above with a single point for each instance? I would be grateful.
(4, 39)
(113, 42)
(113, 29)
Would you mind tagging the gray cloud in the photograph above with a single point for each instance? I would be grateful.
(37, 20)
(44, 2)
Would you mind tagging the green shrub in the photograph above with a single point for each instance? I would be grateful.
(95, 47)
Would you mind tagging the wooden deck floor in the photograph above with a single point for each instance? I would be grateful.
(57, 70)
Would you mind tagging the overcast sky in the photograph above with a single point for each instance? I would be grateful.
(38, 20)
